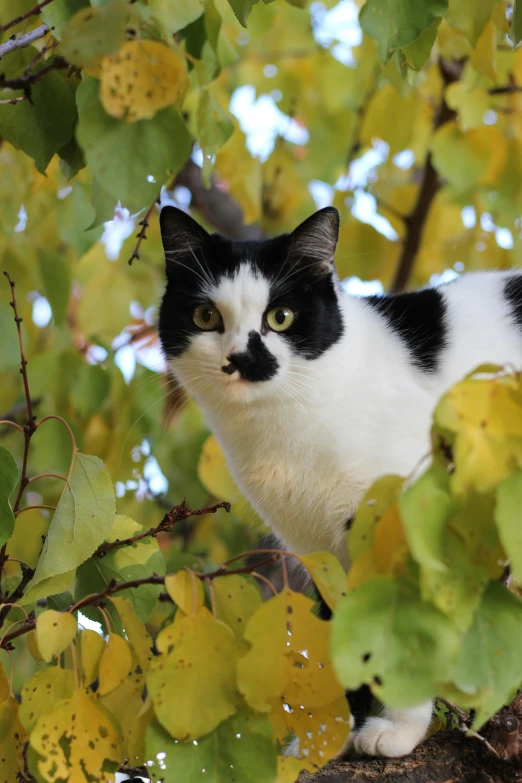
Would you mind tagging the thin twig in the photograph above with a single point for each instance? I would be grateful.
(27, 80)
(505, 89)
(143, 231)
(173, 516)
(21, 41)
(11, 101)
(31, 508)
(32, 12)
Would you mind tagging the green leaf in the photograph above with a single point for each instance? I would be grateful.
(488, 668)
(176, 16)
(242, 9)
(240, 749)
(90, 390)
(416, 54)
(396, 24)
(384, 635)
(130, 160)
(56, 276)
(516, 23)
(82, 520)
(50, 588)
(507, 517)
(215, 127)
(469, 17)
(75, 213)
(94, 33)
(124, 563)
(425, 508)
(43, 125)
(8, 481)
(58, 13)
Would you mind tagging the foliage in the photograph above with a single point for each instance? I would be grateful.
(198, 666)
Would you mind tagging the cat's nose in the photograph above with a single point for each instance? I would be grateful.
(230, 368)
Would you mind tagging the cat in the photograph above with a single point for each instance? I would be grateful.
(314, 393)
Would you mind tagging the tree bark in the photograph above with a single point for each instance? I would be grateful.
(447, 757)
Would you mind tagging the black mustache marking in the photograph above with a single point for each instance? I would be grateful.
(254, 364)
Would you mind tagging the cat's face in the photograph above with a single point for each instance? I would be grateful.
(239, 320)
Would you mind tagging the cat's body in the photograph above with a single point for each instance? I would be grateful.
(309, 416)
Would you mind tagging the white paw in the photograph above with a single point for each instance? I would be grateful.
(383, 737)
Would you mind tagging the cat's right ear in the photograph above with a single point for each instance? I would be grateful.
(182, 237)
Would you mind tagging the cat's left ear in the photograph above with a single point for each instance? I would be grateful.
(181, 235)
(316, 239)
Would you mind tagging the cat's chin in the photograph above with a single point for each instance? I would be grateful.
(240, 390)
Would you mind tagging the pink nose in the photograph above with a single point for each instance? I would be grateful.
(233, 349)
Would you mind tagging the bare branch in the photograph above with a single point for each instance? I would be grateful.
(21, 41)
(32, 12)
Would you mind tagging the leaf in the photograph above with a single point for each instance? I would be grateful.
(381, 495)
(90, 390)
(52, 586)
(470, 18)
(58, 13)
(176, 16)
(141, 79)
(5, 688)
(215, 127)
(92, 647)
(125, 563)
(425, 507)
(384, 635)
(242, 174)
(236, 600)
(292, 660)
(43, 125)
(75, 735)
(93, 33)
(132, 715)
(81, 522)
(42, 692)
(196, 671)
(56, 276)
(186, 591)
(396, 24)
(115, 664)
(242, 749)
(136, 632)
(12, 742)
(488, 668)
(507, 517)
(321, 731)
(54, 632)
(242, 9)
(215, 477)
(8, 481)
(515, 32)
(130, 160)
(328, 575)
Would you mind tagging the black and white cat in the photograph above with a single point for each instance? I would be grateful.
(313, 393)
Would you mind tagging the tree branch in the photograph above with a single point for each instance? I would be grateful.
(32, 12)
(216, 206)
(176, 514)
(429, 188)
(28, 79)
(24, 40)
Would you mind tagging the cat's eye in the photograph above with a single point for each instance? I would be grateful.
(280, 319)
(207, 317)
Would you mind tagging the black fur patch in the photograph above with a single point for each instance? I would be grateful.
(418, 318)
(302, 283)
(254, 364)
(513, 295)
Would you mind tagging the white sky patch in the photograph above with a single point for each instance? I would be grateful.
(91, 625)
(364, 208)
(322, 193)
(504, 238)
(404, 160)
(338, 26)
(154, 477)
(22, 220)
(469, 216)
(42, 311)
(116, 232)
(261, 121)
(445, 277)
(361, 168)
(357, 287)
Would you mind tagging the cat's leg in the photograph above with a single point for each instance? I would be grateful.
(393, 733)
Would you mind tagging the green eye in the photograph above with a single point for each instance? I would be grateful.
(280, 318)
(207, 317)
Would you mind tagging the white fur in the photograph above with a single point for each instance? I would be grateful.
(305, 445)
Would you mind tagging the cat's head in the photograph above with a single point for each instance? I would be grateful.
(240, 319)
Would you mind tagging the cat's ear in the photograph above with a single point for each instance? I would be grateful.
(316, 239)
(182, 237)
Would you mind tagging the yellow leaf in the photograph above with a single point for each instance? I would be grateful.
(288, 769)
(12, 741)
(292, 660)
(144, 77)
(236, 600)
(196, 672)
(54, 632)
(92, 646)
(241, 174)
(322, 732)
(186, 591)
(136, 632)
(390, 544)
(379, 122)
(328, 575)
(215, 477)
(115, 664)
(132, 715)
(32, 646)
(5, 688)
(42, 691)
(76, 742)
(470, 104)
(484, 56)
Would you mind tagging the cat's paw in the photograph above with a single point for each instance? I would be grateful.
(383, 737)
